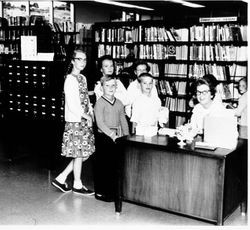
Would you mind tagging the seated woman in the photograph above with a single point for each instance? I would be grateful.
(211, 78)
(211, 118)
(107, 68)
(146, 109)
(241, 110)
(205, 95)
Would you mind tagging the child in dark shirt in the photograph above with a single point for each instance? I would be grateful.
(111, 124)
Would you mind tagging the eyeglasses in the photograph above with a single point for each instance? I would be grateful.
(205, 92)
(80, 59)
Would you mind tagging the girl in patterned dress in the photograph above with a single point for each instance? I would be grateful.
(78, 139)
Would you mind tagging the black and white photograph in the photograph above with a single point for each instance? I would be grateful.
(124, 114)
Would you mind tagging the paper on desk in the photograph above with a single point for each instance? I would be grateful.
(167, 131)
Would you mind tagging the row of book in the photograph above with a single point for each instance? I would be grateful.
(122, 51)
(218, 52)
(154, 34)
(155, 51)
(176, 88)
(8, 48)
(14, 34)
(222, 73)
(141, 34)
(161, 52)
(154, 69)
(228, 91)
(218, 32)
(175, 104)
(175, 70)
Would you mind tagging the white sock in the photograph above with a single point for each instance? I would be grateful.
(77, 184)
(61, 178)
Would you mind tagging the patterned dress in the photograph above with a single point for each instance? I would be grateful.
(78, 138)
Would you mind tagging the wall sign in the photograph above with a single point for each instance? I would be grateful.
(218, 19)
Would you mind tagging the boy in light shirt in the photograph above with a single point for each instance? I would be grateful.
(147, 108)
(134, 88)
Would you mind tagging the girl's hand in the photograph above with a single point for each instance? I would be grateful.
(89, 120)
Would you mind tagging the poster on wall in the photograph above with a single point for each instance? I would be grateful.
(28, 47)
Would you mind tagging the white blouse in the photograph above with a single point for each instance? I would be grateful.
(199, 113)
(73, 109)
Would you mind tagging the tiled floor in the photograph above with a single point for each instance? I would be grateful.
(27, 198)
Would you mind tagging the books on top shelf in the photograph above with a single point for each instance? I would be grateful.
(231, 32)
(140, 34)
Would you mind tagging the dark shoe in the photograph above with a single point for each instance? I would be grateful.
(83, 191)
(63, 187)
(103, 198)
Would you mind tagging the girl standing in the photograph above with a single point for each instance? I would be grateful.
(78, 138)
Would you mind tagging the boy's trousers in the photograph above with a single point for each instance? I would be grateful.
(105, 166)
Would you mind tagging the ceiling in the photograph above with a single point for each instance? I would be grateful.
(175, 11)
(168, 6)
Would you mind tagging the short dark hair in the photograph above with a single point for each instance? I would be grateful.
(210, 81)
(141, 62)
(144, 75)
(104, 57)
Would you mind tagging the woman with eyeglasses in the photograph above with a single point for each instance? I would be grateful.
(207, 104)
(78, 138)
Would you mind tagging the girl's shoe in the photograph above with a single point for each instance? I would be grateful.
(63, 187)
(83, 191)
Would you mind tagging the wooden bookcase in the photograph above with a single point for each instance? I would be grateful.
(171, 53)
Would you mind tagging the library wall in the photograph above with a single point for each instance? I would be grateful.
(88, 13)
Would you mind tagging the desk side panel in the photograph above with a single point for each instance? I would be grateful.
(178, 182)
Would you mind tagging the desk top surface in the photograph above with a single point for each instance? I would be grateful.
(170, 144)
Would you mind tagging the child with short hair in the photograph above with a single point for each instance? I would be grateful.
(147, 110)
(134, 88)
(106, 66)
(111, 124)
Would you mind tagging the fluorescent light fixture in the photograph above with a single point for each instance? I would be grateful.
(185, 3)
(123, 4)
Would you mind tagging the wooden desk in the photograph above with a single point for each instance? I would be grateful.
(198, 183)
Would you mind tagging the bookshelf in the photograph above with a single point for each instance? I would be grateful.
(219, 48)
(163, 46)
(177, 54)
